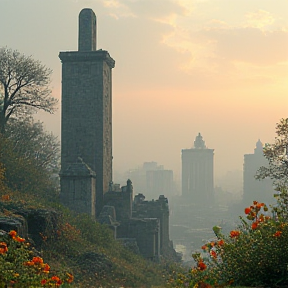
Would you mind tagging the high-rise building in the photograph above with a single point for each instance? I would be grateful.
(160, 182)
(256, 190)
(86, 131)
(197, 173)
(152, 180)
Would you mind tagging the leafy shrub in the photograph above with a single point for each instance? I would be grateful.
(254, 254)
(19, 268)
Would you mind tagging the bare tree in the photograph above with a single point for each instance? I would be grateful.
(24, 86)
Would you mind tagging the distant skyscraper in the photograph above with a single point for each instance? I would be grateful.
(253, 189)
(152, 180)
(197, 173)
(159, 182)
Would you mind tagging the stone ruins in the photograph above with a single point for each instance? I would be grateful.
(86, 152)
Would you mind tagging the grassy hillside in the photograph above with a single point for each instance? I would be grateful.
(77, 244)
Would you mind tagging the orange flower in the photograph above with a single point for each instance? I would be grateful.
(29, 263)
(46, 268)
(247, 210)
(221, 242)
(43, 281)
(3, 247)
(213, 254)
(277, 234)
(5, 197)
(204, 247)
(254, 225)
(201, 266)
(37, 260)
(259, 205)
(55, 278)
(234, 233)
(70, 278)
(255, 202)
(12, 233)
(19, 239)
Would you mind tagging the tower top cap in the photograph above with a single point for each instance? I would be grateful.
(259, 147)
(87, 30)
(199, 143)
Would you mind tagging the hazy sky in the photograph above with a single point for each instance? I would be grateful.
(219, 67)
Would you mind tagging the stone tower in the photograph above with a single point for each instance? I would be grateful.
(197, 173)
(86, 130)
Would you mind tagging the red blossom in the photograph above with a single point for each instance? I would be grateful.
(213, 254)
(201, 266)
(3, 247)
(247, 210)
(254, 225)
(277, 234)
(234, 233)
(12, 233)
(221, 242)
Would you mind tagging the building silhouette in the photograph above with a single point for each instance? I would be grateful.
(86, 129)
(153, 180)
(86, 152)
(253, 189)
(197, 173)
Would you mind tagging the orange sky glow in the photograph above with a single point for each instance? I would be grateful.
(219, 67)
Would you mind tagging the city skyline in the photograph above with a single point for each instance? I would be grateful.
(214, 67)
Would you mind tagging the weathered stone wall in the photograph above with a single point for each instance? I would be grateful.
(147, 235)
(86, 125)
(79, 183)
(155, 209)
(122, 201)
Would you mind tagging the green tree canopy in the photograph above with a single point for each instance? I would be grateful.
(277, 156)
(30, 157)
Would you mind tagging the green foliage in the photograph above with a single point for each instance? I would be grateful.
(86, 248)
(255, 254)
(30, 141)
(19, 267)
(23, 169)
(77, 243)
(276, 154)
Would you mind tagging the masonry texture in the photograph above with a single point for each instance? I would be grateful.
(86, 112)
(86, 152)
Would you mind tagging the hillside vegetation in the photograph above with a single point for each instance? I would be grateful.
(69, 242)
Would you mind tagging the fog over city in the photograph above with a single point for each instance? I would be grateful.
(197, 89)
(182, 67)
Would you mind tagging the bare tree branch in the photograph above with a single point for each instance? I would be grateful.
(25, 83)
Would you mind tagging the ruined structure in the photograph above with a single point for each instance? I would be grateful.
(197, 173)
(86, 151)
(147, 222)
(86, 121)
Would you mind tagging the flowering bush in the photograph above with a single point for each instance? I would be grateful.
(17, 269)
(256, 253)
